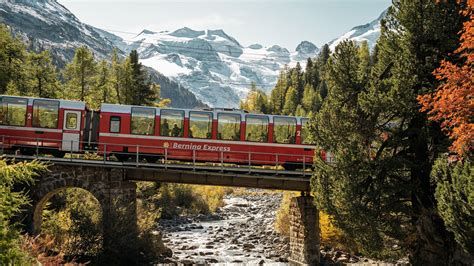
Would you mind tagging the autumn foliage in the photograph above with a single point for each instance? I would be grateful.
(452, 103)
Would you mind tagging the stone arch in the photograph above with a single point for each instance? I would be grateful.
(46, 190)
(115, 194)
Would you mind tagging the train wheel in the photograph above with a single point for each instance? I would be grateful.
(122, 157)
(151, 159)
(291, 166)
(58, 153)
(27, 151)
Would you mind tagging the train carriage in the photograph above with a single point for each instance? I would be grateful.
(214, 135)
(46, 124)
(211, 135)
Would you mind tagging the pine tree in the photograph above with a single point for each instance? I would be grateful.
(311, 74)
(13, 58)
(117, 75)
(291, 101)
(43, 76)
(311, 99)
(80, 74)
(455, 199)
(256, 101)
(11, 203)
(278, 94)
(103, 88)
(379, 188)
(141, 88)
(323, 56)
(365, 62)
(296, 80)
(323, 89)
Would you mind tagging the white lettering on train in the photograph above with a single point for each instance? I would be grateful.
(205, 147)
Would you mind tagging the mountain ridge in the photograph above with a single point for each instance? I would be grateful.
(48, 25)
(211, 64)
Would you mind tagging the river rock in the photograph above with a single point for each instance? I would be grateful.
(248, 246)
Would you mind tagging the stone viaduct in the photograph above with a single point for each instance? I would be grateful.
(115, 189)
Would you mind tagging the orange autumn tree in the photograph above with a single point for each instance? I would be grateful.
(452, 103)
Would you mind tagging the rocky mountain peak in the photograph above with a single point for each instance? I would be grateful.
(187, 33)
(145, 31)
(306, 47)
(255, 46)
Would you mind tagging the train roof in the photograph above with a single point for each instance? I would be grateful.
(62, 103)
(120, 108)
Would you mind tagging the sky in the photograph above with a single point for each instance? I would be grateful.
(267, 22)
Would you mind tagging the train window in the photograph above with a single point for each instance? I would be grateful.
(172, 123)
(200, 125)
(256, 128)
(71, 121)
(284, 129)
(13, 111)
(305, 135)
(45, 113)
(114, 124)
(143, 121)
(229, 126)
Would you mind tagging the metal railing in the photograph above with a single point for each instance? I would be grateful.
(166, 157)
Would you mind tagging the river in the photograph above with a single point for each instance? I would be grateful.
(242, 231)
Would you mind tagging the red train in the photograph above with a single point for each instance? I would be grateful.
(211, 135)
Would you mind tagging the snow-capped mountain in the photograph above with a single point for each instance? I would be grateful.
(369, 32)
(47, 25)
(192, 66)
(214, 65)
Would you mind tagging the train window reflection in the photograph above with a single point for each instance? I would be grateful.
(143, 121)
(45, 113)
(13, 111)
(71, 121)
(200, 125)
(115, 124)
(256, 128)
(284, 129)
(172, 123)
(229, 126)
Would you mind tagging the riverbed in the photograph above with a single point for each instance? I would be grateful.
(242, 231)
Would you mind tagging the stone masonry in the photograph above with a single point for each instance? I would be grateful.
(304, 231)
(116, 195)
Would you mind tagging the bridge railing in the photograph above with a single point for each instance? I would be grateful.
(41, 148)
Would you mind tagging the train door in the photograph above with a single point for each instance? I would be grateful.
(71, 130)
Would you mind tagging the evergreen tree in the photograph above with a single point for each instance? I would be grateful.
(80, 74)
(43, 76)
(300, 111)
(323, 56)
(323, 89)
(311, 74)
(311, 99)
(379, 189)
(455, 199)
(256, 101)
(103, 85)
(117, 74)
(278, 94)
(142, 92)
(11, 203)
(13, 58)
(291, 101)
(365, 62)
(296, 81)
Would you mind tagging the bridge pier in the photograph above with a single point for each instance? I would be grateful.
(304, 231)
(115, 194)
